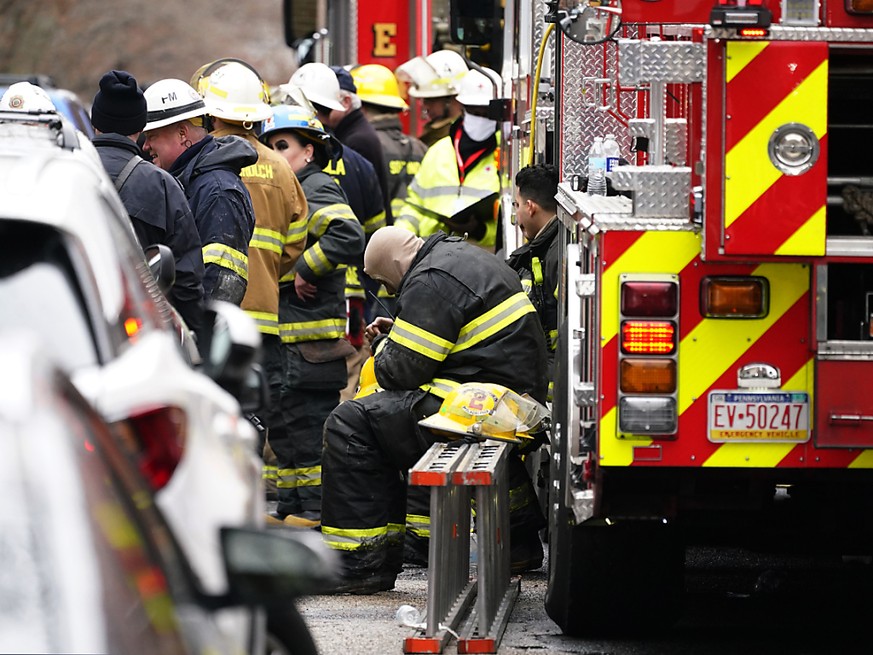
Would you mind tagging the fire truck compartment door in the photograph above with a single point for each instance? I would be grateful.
(775, 145)
(844, 405)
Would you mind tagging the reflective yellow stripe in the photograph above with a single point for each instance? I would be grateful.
(351, 538)
(419, 340)
(552, 340)
(266, 322)
(526, 285)
(302, 477)
(329, 328)
(408, 222)
(269, 472)
(317, 260)
(537, 270)
(418, 525)
(296, 231)
(267, 240)
(226, 257)
(321, 218)
(375, 222)
(492, 321)
(440, 387)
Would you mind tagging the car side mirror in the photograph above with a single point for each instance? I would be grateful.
(273, 566)
(230, 344)
(162, 265)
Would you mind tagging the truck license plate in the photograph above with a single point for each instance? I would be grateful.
(762, 416)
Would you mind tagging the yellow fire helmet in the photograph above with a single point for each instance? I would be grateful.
(487, 411)
(367, 383)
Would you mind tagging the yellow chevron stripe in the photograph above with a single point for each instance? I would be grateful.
(863, 461)
(765, 455)
(715, 344)
(740, 54)
(808, 239)
(654, 252)
(748, 170)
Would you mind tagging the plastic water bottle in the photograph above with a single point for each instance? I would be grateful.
(611, 151)
(597, 168)
(408, 615)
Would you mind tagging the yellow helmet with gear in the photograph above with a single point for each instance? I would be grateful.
(377, 86)
(487, 411)
(367, 383)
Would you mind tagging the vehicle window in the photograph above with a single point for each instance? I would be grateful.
(39, 292)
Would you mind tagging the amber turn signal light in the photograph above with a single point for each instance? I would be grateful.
(734, 297)
(648, 375)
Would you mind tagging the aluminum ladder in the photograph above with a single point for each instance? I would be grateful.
(476, 611)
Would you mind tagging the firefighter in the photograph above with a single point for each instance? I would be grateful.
(485, 330)
(435, 80)
(358, 178)
(312, 313)
(332, 92)
(457, 186)
(382, 105)
(208, 169)
(237, 100)
(537, 261)
(153, 198)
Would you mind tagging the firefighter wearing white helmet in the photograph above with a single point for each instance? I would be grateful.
(435, 83)
(177, 140)
(237, 100)
(457, 187)
(319, 84)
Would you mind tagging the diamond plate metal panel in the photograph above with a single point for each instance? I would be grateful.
(659, 191)
(581, 123)
(660, 61)
(776, 33)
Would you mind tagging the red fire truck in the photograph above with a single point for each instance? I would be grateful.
(716, 349)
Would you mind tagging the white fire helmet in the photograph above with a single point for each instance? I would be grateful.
(319, 84)
(24, 96)
(235, 92)
(476, 89)
(449, 68)
(171, 101)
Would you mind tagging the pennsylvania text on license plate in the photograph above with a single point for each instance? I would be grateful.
(758, 416)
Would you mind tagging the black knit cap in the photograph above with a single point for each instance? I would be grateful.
(346, 82)
(119, 105)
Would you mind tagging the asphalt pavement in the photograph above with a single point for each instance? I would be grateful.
(737, 602)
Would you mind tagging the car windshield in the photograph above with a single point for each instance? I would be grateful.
(39, 293)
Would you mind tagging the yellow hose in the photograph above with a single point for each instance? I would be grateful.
(536, 91)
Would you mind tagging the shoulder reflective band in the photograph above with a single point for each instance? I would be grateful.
(494, 320)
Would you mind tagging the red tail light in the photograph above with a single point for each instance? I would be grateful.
(648, 337)
(649, 298)
(156, 439)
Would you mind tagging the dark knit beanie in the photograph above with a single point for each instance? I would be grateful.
(119, 105)
(346, 82)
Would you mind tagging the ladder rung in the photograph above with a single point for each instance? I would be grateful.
(435, 467)
(480, 464)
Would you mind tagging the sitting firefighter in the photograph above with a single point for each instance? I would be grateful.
(485, 330)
